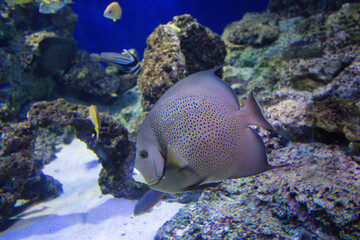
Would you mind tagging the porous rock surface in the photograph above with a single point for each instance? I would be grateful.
(21, 177)
(291, 8)
(114, 150)
(174, 51)
(307, 82)
(315, 197)
(91, 79)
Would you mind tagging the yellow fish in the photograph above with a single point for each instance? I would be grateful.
(113, 11)
(95, 119)
(52, 6)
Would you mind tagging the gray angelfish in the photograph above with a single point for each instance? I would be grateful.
(196, 136)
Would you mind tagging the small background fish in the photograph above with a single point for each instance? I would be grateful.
(52, 6)
(126, 62)
(113, 11)
(56, 54)
(95, 119)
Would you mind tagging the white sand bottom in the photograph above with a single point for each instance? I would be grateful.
(81, 212)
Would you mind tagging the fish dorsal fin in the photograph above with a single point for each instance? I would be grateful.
(204, 83)
(252, 159)
(253, 112)
(173, 160)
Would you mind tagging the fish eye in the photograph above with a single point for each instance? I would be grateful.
(110, 12)
(144, 154)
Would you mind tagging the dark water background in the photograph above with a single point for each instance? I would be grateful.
(95, 33)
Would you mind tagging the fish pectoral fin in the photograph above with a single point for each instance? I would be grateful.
(147, 202)
(201, 185)
(174, 160)
(253, 159)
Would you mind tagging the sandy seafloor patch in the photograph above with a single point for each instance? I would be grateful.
(81, 212)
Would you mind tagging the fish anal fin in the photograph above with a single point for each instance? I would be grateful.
(147, 202)
(254, 113)
(253, 159)
(174, 160)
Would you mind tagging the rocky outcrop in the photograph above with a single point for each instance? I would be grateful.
(21, 177)
(174, 51)
(89, 80)
(307, 79)
(315, 197)
(254, 29)
(22, 28)
(291, 8)
(114, 150)
(307, 82)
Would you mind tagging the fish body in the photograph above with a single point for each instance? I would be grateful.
(113, 11)
(196, 135)
(56, 55)
(95, 119)
(52, 6)
(125, 61)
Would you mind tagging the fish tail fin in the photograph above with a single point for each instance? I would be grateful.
(97, 134)
(95, 57)
(254, 156)
(254, 113)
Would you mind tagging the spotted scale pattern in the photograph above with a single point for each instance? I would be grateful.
(203, 131)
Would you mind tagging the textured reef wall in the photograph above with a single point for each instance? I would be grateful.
(21, 177)
(21, 31)
(308, 78)
(39, 60)
(114, 150)
(316, 197)
(293, 8)
(174, 51)
(302, 59)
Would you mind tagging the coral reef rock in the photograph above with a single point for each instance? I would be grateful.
(90, 78)
(114, 149)
(254, 29)
(315, 196)
(306, 8)
(21, 177)
(21, 30)
(307, 79)
(174, 51)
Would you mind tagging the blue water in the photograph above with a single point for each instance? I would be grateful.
(95, 33)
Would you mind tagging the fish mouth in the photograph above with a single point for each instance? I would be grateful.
(138, 177)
